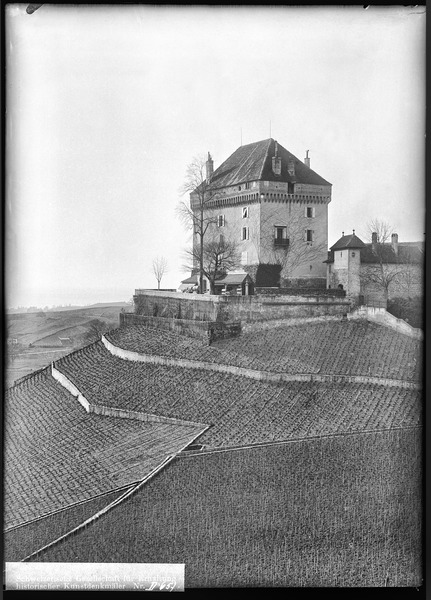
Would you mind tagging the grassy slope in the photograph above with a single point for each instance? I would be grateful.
(335, 512)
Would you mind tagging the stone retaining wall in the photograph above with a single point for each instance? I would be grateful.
(193, 307)
(194, 329)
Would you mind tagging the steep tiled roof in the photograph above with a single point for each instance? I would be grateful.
(253, 162)
(348, 241)
(408, 253)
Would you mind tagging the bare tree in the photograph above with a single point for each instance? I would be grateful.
(220, 255)
(160, 266)
(95, 329)
(381, 273)
(196, 213)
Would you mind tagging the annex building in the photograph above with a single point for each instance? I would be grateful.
(377, 271)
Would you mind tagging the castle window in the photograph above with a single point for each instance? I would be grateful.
(221, 221)
(247, 186)
(309, 235)
(309, 212)
(245, 212)
(245, 233)
(244, 258)
(353, 254)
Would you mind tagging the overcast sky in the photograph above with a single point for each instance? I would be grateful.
(106, 106)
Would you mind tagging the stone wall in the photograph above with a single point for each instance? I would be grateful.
(230, 309)
(195, 329)
(261, 308)
(299, 291)
(176, 305)
(289, 283)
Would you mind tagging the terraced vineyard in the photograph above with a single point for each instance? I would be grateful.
(343, 348)
(23, 541)
(70, 455)
(240, 410)
(330, 512)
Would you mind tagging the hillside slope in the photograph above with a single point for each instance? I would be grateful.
(335, 512)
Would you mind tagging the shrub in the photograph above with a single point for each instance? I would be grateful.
(408, 309)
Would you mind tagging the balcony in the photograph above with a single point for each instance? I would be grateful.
(281, 243)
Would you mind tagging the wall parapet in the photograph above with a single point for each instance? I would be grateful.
(383, 317)
(66, 383)
(300, 291)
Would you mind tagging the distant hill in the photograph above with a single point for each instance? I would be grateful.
(34, 310)
(37, 338)
(107, 304)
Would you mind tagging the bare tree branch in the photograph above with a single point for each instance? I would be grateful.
(381, 273)
(160, 266)
(196, 213)
(290, 257)
(220, 255)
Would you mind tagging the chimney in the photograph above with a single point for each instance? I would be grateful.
(210, 168)
(276, 162)
(307, 160)
(374, 240)
(394, 240)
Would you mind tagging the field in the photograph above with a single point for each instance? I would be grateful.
(29, 361)
(22, 541)
(37, 336)
(70, 455)
(343, 348)
(240, 410)
(331, 512)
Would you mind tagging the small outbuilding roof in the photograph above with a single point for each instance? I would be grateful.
(233, 279)
(190, 280)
